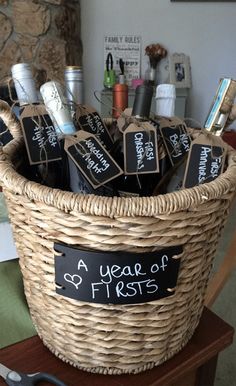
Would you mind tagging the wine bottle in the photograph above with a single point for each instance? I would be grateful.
(130, 184)
(216, 122)
(74, 86)
(165, 107)
(50, 173)
(24, 84)
(58, 108)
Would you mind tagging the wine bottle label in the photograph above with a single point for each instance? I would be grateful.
(140, 149)
(176, 139)
(91, 158)
(89, 120)
(40, 137)
(205, 160)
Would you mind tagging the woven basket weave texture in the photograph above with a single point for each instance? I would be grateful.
(114, 339)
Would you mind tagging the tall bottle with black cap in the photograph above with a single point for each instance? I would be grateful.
(142, 102)
(133, 185)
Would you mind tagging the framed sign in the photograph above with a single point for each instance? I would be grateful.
(127, 48)
(203, 1)
(180, 72)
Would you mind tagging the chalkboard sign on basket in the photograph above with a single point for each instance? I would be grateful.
(116, 277)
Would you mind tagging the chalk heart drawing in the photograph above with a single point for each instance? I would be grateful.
(76, 280)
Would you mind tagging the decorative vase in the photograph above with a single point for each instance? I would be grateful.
(150, 75)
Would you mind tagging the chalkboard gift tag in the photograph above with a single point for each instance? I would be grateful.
(91, 158)
(40, 137)
(176, 139)
(140, 149)
(116, 277)
(89, 120)
(206, 160)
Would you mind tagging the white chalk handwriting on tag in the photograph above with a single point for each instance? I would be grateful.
(205, 160)
(76, 280)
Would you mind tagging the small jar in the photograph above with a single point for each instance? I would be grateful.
(165, 100)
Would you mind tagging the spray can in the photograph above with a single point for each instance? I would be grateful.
(120, 99)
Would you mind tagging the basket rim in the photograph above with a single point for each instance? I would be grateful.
(114, 206)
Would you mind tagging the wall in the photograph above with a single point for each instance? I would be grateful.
(203, 30)
(44, 33)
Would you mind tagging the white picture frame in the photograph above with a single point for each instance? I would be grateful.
(180, 71)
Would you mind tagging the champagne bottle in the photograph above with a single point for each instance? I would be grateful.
(59, 110)
(24, 84)
(74, 86)
(51, 173)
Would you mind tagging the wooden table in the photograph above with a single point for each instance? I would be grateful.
(195, 365)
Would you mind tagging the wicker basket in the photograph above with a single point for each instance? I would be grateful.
(106, 338)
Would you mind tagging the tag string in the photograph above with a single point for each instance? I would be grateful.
(215, 142)
(84, 110)
(83, 152)
(182, 130)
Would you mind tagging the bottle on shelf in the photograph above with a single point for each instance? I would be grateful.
(119, 99)
(142, 102)
(165, 100)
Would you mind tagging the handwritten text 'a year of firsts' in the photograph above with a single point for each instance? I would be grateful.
(126, 281)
